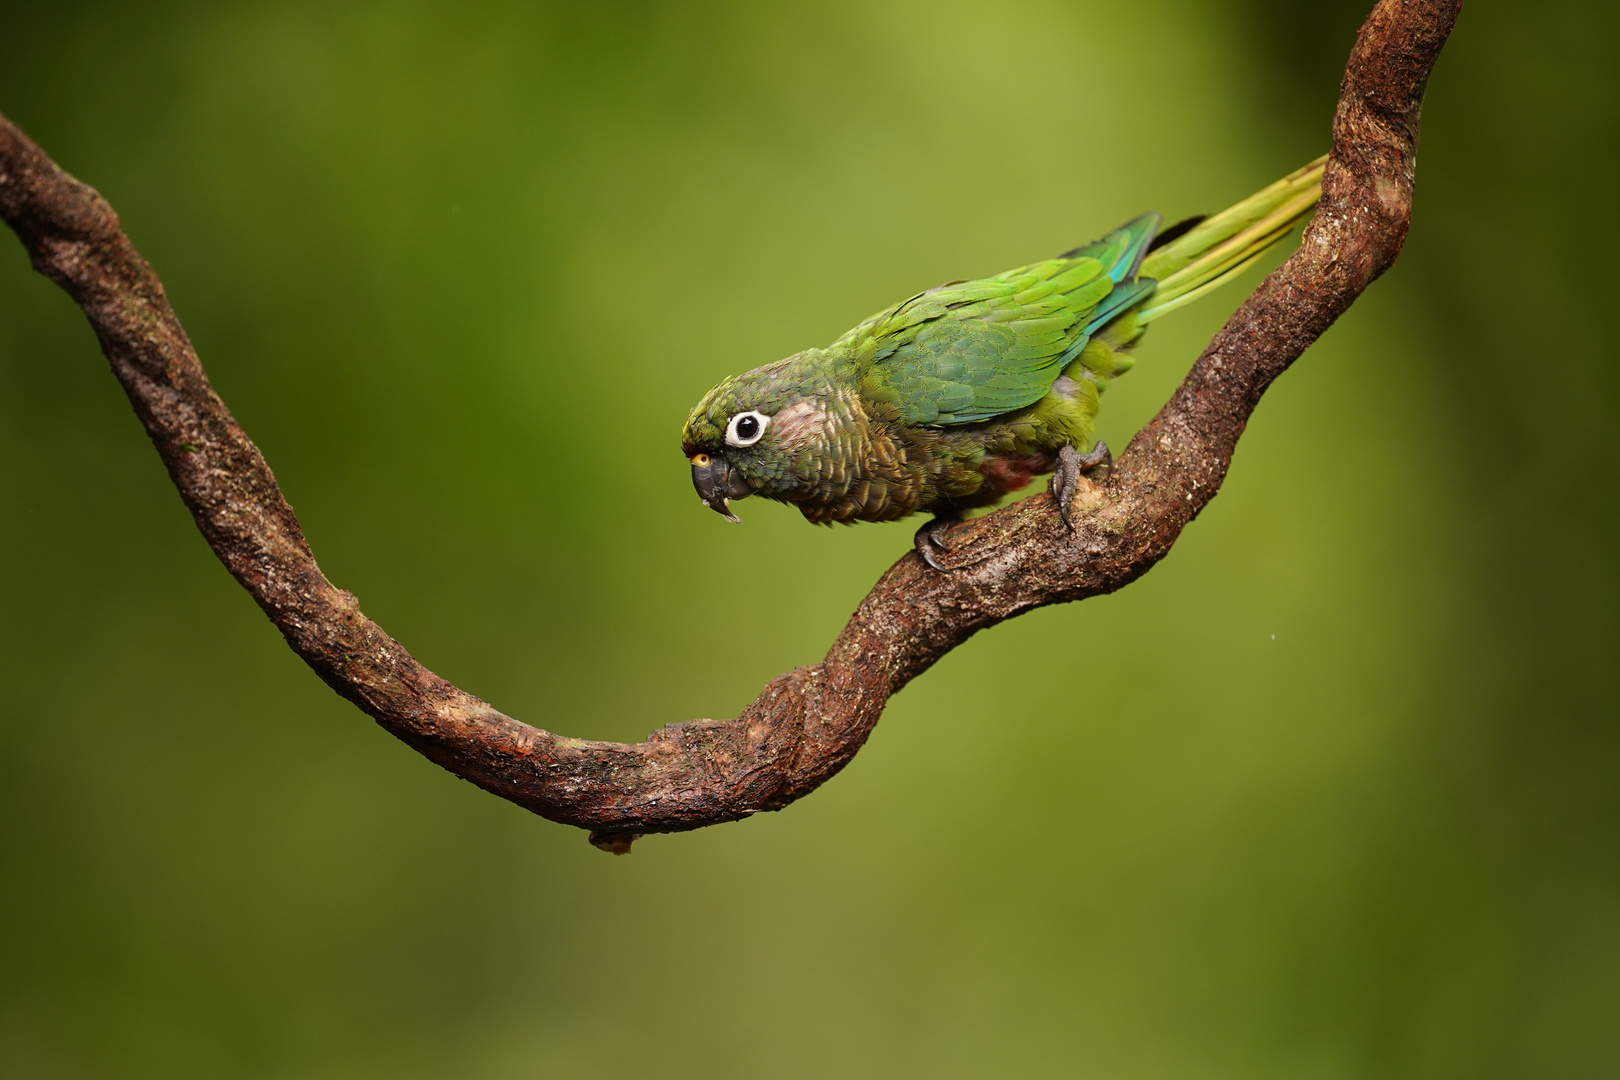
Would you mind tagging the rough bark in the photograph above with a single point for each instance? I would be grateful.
(807, 724)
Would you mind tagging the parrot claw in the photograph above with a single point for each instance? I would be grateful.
(1071, 464)
(930, 541)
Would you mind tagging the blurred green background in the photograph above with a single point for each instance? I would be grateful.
(1333, 792)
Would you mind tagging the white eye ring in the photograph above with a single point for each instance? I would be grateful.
(746, 428)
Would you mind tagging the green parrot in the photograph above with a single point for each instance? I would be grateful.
(963, 393)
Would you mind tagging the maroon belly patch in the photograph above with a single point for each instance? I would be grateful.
(1004, 474)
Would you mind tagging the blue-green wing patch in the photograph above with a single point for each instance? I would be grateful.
(971, 351)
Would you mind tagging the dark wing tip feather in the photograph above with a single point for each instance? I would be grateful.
(1175, 232)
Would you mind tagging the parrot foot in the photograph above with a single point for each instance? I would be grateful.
(1071, 464)
(930, 541)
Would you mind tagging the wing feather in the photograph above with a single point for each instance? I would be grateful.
(973, 350)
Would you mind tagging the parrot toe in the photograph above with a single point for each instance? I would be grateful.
(1100, 457)
(930, 541)
(1071, 464)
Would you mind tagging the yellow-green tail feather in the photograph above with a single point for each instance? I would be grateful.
(1224, 244)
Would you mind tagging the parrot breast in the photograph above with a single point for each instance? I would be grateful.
(847, 467)
(854, 461)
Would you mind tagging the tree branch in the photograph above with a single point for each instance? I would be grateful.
(809, 723)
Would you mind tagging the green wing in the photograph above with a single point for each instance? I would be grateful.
(972, 350)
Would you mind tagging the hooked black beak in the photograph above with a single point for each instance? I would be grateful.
(718, 483)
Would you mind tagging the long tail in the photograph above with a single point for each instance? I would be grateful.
(1215, 250)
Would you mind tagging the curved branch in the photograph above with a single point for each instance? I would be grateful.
(807, 724)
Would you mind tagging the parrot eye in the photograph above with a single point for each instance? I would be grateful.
(746, 428)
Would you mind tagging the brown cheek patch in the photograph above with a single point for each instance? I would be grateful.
(802, 423)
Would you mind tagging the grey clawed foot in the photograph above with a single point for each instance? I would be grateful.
(930, 541)
(1071, 464)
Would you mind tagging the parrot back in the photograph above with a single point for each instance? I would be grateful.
(969, 351)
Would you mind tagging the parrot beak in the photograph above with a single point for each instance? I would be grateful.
(718, 483)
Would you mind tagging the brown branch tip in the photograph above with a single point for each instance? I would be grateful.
(807, 724)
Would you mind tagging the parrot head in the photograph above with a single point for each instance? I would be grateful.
(757, 433)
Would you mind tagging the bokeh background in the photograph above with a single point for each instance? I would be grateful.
(1334, 792)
